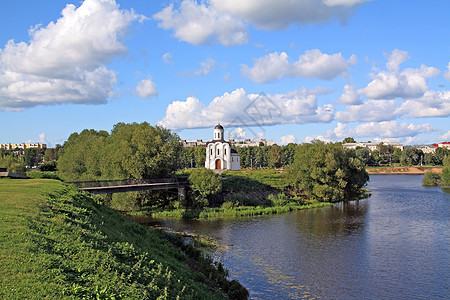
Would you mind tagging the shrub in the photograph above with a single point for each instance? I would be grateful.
(205, 182)
(431, 178)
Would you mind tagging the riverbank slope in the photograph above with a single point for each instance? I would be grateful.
(59, 243)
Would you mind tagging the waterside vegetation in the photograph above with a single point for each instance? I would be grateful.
(60, 243)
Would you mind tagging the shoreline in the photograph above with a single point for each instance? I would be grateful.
(402, 170)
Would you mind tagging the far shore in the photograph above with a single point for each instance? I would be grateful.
(402, 170)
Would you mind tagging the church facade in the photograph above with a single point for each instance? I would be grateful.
(219, 154)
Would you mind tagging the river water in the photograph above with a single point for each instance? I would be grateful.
(394, 245)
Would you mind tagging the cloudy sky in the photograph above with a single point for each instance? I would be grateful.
(284, 70)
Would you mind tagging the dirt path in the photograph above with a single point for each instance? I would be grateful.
(402, 170)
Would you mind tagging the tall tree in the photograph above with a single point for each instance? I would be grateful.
(327, 172)
(274, 156)
(348, 140)
(199, 156)
(446, 171)
(411, 156)
(141, 151)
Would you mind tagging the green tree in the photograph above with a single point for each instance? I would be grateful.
(200, 156)
(348, 140)
(288, 153)
(274, 157)
(12, 162)
(83, 155)
(204, 182)
(363, 154)
(440, 154)
(187, 157)
(327, 172)
(431, 178)
(411, 156)
(446, 171)
(141, 151)
(32, 157)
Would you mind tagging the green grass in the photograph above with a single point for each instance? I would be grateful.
(240, 211)
(59, 243)
(253, 180)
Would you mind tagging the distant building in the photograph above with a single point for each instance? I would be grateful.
(427, 148)
(371, 146)
(23, 146)
(219, 154)
(233, 142)
(443, 145)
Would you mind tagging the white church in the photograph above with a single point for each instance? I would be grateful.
(220, 155)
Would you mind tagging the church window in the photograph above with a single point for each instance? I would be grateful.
(225, 151)
(218, 151)
(211, 151)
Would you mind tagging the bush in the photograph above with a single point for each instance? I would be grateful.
(278, 200)
(431, 178)
(205, 182)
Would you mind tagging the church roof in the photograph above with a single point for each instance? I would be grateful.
(218, 126)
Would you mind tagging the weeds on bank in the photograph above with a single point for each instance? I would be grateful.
(72, 247)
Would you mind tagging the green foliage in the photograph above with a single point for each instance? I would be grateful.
(131, 151)
(446, 171)
(205, 182)
(48, 166)
(348, 140)
(141, 151)
(12, 162)
(327, 172)
(410, 156)
(68, 246)
(230, 210)
(43, 175)
(431, 178)
(32, 157)
(199, 156)
(274, 159)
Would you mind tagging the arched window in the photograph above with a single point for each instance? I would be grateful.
(225, 151)
(211, 152)
(218, 151)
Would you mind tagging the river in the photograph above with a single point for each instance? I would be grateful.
(393, 245)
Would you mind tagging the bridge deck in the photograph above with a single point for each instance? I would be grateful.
(131, 185)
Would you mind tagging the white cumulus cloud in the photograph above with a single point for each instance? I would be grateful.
(350, 96)
(241, 109)
(391, 84)
(445, 136)
(201, 24)
(63, 62)
(391, 131)
(369, 111)
(432, 104)
(146, 88)
(287, 139)
(447, 74)
(280, 14)
(312, 64)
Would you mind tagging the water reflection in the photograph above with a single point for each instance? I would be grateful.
(391, 246)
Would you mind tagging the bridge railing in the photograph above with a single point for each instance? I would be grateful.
(106, 183)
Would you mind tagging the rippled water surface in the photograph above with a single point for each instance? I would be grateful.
(393, 245)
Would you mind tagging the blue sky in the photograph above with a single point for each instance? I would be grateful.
(285, 70)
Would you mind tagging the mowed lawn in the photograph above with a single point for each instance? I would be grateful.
(19, 201)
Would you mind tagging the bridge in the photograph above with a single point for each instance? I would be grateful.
(134, 185)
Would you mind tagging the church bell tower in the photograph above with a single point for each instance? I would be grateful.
(218, 133)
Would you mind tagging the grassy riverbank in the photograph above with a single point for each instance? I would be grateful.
(244, 193)
(239, 211)
(59, 243)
